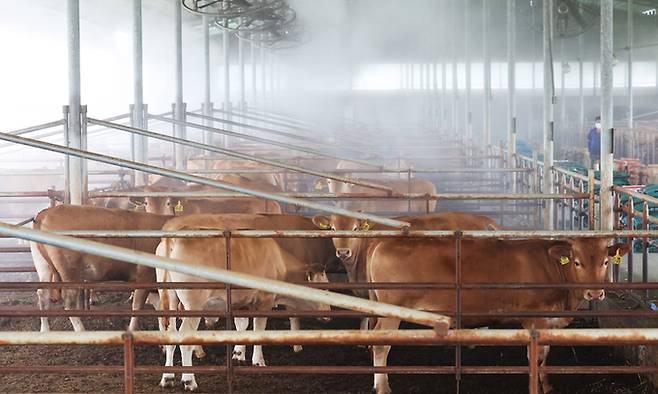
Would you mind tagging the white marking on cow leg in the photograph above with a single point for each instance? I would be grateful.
(294, 326)
(189, 324)
(139, 299)
(72, 299)
(240, 351)
(365, 324)
(380, 355)
(260, 323)
(168, 377)
(43, 299)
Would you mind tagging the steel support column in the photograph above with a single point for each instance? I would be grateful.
(629, 73)
(243, 101)
(207, 103)
(226, 105)
(179, 110)
(549, 101)
(581, 91)
(607, 214)
(511, 83)
(139, 143)
(455, 80)
(486, 127)
(467, 74)
(75, 181)
(254, 80)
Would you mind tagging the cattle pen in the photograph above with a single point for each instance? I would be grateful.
(428, 169)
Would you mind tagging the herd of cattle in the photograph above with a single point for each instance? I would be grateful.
(304, 259)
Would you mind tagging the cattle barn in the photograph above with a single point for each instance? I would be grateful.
(329, 196)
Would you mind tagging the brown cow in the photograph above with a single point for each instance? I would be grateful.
(71, 266)
(488, 261)
(312, 251)
(263, 257)
(352, 251)
(237, 165)
(186, 206)
(413, 186)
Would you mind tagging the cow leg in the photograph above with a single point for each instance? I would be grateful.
(189, 324)
(543, 377)
(168, 377)
(240, 351)
(139, 300)
(257, 358)
(43, 299)
(72, 301)
(380, 355)
(294, 326)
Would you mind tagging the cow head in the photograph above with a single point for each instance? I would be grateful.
(586, 260)
(346, 248)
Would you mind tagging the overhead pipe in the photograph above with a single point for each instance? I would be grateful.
(196, 179)
(237, 154)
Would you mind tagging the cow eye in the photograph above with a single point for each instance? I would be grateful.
(605, 262)
(355, 228)
(577, 263)
(333, 228)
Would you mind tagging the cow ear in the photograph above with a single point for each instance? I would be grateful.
(322, 222)
(560, 252)
(137, 201)
(619, 249)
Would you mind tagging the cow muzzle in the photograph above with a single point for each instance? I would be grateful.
(343, 254)
(595, 295)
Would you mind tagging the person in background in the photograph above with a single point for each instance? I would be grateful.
(594, 143)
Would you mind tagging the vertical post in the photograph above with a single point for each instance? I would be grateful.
(511, 88)
(254, 81)
(207, 103)
(140, 144)
(581, 90)
(487, 73)
(243, 101)
(263, 75)
(455, 80)
(533, 362)
(229, 312)
(128, 363)
(444, 82)
(630, 216)
(591, 200)
(606, 115)
(467, 74)
(549, 100)
(629, 74)
(179, 111)
(226, 51)
(74, 135)
(563, 97)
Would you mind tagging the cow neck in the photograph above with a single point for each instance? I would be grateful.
(563, 280)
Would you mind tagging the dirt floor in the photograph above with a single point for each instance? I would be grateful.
(283, 355)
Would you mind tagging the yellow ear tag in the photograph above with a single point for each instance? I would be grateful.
(324, 226)
(178, 209)
(365, 226)
(318, 185)
(564, 260)
(616, 259)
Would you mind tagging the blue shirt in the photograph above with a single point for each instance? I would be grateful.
(594, 141)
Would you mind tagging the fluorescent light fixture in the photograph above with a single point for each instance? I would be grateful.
(649, 12)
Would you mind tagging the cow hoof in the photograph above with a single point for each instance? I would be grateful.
(297, 348)
(258, 363)
(167, 381)
(189, 385)
(385, 390)
(239, 358)
(546, 388)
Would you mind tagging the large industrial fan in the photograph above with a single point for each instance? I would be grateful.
(571, 17)
(271, 23)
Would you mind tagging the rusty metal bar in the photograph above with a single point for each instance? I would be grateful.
(191, 178)
(533, 363)
(38, 127)
(128, 363)
(394, 196)
(440, 323)
(234, 153)
(574, 337)
(355, 234)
